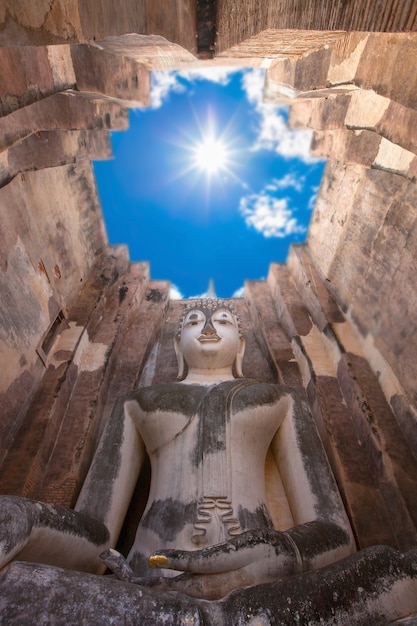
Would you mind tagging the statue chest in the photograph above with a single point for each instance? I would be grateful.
(205, 456)
(196, 421)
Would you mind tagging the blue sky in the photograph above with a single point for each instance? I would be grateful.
(208, 182)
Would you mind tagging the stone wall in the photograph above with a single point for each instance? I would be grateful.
(70, 21)
(238, 20)
(362, 236)
(370, 456)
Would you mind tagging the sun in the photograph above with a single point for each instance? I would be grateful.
(210, 152)
(211, 155)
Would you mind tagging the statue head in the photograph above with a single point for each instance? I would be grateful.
(209, 338)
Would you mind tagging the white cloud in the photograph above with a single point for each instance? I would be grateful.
(239, 293)
(220, 75)
(166, 82)
(272, 131)
(163, 83)
(269, 216)
(174, 293)
(274, 135)
(253, 81)
(286, 182)
(201, 296)
(313, 198)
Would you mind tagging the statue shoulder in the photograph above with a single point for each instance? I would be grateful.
(168, 397)
(255, 393)
(185, 399)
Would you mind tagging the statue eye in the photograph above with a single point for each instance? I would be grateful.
(222, 318)
(193, 320)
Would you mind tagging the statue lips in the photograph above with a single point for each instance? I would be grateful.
(208, 338)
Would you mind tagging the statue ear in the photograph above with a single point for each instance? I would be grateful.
(239, 358)
(180, 358)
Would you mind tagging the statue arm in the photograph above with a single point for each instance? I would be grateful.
(113, 474)
(322, 533)
(45, 533)
(254, 557)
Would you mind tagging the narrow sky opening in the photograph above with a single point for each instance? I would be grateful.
(209, 182)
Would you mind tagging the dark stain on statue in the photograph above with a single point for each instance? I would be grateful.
(105, 464)
(251, 520)
(171, 397)
(76, 523)
(254, 393)
(40, 515)
(213, 415)
(224, 400)
(167, 518)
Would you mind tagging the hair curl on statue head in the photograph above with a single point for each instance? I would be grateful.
(209, 304)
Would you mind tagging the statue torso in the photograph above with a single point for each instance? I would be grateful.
(207, 447)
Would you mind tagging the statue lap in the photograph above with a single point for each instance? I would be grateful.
(367, 588)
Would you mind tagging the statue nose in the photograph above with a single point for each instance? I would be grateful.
(208, 330)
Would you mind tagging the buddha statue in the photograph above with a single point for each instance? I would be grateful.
(207, 529)
(207, 438)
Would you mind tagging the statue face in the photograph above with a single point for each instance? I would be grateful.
(210, 338)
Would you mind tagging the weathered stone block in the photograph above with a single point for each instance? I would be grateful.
(66, 110)
(115, 75)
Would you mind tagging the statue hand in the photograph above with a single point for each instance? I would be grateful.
(264, 554)
(255, 556)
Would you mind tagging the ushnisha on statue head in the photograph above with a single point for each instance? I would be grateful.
(209, 344)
